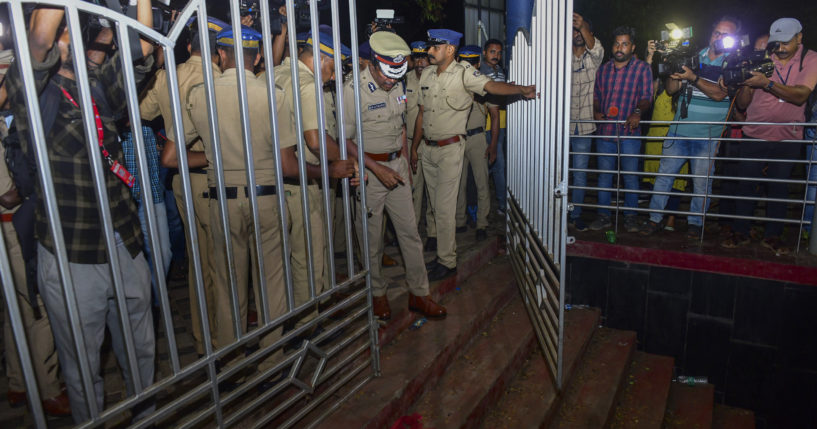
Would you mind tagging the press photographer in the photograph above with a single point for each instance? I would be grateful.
(780, 97)
(701, 99)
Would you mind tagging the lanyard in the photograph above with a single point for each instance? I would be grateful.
(118, 169)
(784, 81)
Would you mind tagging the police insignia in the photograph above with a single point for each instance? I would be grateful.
(399, 58)
(477, 73)
(372, 87)
(401, 99)
(377, 106)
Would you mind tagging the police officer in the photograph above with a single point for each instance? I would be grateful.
(337, 168)
(157, 102)
(475, 153)
(446, 92)
(237, 192)
(383, 106)
(417, 63)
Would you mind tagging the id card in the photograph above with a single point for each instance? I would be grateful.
(122, 173)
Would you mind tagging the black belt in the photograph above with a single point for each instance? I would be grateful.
(231, 192)
(295, 182)
(198, 171)
(474, 131)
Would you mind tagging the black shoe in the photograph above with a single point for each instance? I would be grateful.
(267, 385)
(481, 234)
(431, 244)
(432, 265)
(441, 272)
(461, 229)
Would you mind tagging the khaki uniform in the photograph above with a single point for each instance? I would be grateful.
(157, 102)
(297, 232)
(382, 116)
(418, 184)
(446, 99)
(239, 209)
(38, 331)
(475, 146)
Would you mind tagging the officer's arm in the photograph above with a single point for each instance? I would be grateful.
(170, 159)
(313, 142)
(351, 149)
(337, 169)
(502, 88)
(11, 198)
(418, 131)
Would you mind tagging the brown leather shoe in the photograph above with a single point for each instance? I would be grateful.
(388, 261)
(57, 406)
(426, 306)
(380, 307)
(16, 399)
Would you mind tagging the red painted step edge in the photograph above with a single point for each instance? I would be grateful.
(643, 400)
(689, 407)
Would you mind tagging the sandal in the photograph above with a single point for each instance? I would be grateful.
(775, 244)
(737, 239)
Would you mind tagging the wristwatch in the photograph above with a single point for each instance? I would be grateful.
(770, 85)
(637, 111)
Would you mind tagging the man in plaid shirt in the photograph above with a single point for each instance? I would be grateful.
(79, 212)
(623, 91)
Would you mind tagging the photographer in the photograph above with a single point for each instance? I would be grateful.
(704, 100)
(67, 150)
(779, 98)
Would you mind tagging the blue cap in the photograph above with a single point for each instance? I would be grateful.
(300, 38)
(419, 48)
(365, 50)
(214, 24)
(443, 36)
(250, 38)
(327, 46)
(470, 51)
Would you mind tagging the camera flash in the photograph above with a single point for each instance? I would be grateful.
(676, 33)
(728, 42)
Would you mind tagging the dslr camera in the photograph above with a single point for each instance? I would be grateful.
(675, 51)
(742, 61)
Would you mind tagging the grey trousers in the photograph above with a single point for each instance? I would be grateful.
(97, 309)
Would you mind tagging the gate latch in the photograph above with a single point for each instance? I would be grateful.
(560, 190)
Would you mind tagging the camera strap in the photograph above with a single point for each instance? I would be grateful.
(118, 169)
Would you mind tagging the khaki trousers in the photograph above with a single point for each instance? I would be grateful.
(297, 241)
(418, 190)
(475, 157)
(201, 207)
(244, 258)
(442, 167)
(38, 331)
(398, 203)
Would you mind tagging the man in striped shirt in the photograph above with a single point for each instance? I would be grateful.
(623, 91)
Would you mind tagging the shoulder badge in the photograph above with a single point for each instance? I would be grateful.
(372, 87)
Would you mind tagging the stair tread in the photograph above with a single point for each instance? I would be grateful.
(643, 401)
(689, 407)
(480, 373)
(589, 397)
(726, 417)
(416, 359)
(528, 399)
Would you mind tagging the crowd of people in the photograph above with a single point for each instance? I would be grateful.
(611, 98)
(428, 109)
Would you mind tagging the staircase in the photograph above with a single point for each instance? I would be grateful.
(482, 368)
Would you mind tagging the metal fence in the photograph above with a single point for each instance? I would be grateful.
(800, 182)
(537, 173)
(319, 371)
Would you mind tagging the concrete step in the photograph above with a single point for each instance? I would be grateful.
(528, 399)
(643, 401)
(591, 394)
(725, 417)
(416, 359)
(474, 381)
(689, 407)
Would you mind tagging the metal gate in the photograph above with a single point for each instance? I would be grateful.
(322, 361)
(538, 151)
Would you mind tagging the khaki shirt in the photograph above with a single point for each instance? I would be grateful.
(446, 99)
(381, 113)
(157, 99)
(309, 107)
(412, 98)
(331, 116)
(5, 178)
(229, 127)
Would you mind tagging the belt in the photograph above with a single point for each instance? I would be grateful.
(442, 143)
(198, 171)
(474, 131)
(6, 217)
(295, 182)
(384, 157)
(231, 192)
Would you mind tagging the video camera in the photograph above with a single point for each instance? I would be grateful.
(742, 61)
(385, 20)
(676, 51)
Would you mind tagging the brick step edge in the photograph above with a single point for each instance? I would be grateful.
(589, 398)
(643, 400)
(726, 417)
(418, 358)
(689, 406)
(528, 399)
(479, 375)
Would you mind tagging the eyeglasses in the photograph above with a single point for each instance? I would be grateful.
(717, 33)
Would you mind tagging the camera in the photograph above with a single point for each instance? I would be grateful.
(385, 20)
(673, 60)
(742, 61)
